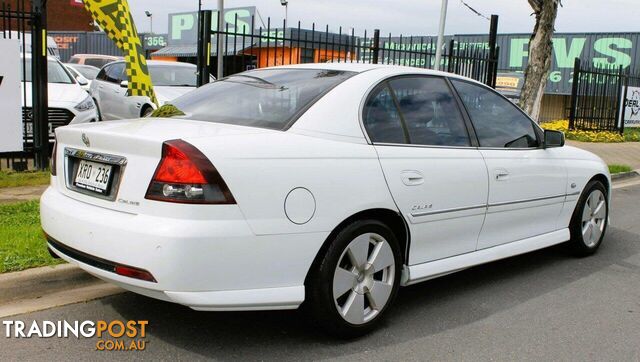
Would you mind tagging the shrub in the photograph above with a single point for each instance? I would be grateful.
(583, 136)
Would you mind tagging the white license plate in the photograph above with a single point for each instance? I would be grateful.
(93, 176)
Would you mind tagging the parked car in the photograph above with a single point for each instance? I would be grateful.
(68, 102)
(88, 72)
(328, 184)
(109, 90)
(96, 60)
(25, 37)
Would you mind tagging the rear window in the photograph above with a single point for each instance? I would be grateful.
(173, 75)
(269, 98)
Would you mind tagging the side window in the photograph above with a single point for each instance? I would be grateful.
(497, 122)
(115, 73)
(430, 112)
(102, 74)
(381, 118)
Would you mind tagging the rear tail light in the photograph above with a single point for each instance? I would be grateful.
(185, 175)
(54, 153)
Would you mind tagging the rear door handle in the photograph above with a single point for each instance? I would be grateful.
(501, 174)
(412, 178)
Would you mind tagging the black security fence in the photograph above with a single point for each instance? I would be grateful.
(250, 47)
(24, 22)
(599, 97)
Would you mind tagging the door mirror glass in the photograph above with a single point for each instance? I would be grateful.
(553, 139)
(124, 84)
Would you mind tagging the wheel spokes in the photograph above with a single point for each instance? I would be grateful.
(358, 251)
(587, 232)
(379, 295)
(600, 210)
(343, 281)
(381, 257)
(586, 213)
(353, 310)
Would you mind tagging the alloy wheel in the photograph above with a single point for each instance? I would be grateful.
(363, 279)
(594, 216)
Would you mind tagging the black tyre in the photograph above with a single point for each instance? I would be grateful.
(590, 219)
(357, 279)
(146, 111)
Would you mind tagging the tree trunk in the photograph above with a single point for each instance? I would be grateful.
(540, 55)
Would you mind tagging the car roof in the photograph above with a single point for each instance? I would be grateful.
(162, 63)
(364, 67)
(96, 56)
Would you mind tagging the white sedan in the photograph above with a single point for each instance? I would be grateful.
(328, 184)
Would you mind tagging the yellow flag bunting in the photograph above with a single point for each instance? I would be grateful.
(114, 17)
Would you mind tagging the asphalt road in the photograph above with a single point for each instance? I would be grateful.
(544, 305)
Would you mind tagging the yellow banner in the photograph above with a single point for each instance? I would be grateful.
(114, 17)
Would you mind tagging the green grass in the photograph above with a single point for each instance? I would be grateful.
(632, 134)
(27, 178)
(22, 244)
(613, 169)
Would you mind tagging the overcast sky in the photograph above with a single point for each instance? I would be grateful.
(416, 17)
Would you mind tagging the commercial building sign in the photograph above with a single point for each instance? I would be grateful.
(10, 94)
(632, 107)
(599, 50)
(183, 27)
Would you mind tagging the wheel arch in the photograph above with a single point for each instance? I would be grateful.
(393, 219)
(605, 181)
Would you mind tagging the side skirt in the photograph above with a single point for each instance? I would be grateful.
(422, 272)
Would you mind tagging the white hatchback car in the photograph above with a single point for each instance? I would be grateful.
(329, 184)
(109, 90)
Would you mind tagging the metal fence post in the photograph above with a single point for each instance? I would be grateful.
(493, 39)
(204, 47)
(375, 47)
(40, 99)
(622, 105)
(574, 93)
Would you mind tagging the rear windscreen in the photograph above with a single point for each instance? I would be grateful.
(269, 98)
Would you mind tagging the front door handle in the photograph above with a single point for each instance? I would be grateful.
(501, 174)
(412, 178)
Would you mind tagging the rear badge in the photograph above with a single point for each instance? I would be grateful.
(129, 202)
(85, 140)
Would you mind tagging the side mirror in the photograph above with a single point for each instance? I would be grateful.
(82, 81)
(124, 84)
(553, 139)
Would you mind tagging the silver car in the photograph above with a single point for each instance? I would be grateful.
(109, 90)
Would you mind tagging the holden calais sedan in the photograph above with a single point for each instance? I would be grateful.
(326, 184)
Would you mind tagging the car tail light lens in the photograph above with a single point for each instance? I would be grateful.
(54, 153)
(185, 175)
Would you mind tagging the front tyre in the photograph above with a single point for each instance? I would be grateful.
(357, 279)
(590, 219)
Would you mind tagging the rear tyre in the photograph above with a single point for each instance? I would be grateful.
(146, 111)
(590, 219)
(357, 279)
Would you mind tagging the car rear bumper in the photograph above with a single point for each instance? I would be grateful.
(203, 264)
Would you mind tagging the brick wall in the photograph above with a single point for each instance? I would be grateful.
(62, 15)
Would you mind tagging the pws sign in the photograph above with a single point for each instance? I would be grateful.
(183, 27)
(604, 51)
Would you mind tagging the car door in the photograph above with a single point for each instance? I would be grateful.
(527, 183)
(436, 176)
(112, 94)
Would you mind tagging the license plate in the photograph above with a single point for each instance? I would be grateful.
(93, 176)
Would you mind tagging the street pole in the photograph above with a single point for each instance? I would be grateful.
(151, 21)
(220, 72)
(443, 20)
